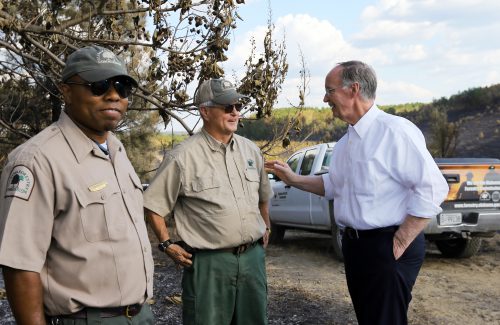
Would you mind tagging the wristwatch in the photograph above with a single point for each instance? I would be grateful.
(164, 245)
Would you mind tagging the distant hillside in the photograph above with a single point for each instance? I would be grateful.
(476, 111)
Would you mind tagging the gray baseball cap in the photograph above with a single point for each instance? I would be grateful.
(218, 91)
(95, 63)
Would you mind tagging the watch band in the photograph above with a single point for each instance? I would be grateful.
(164, 245)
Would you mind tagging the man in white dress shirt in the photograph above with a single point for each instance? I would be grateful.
(385, 186)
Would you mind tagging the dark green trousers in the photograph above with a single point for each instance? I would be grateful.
(222, 288)
(145, 317)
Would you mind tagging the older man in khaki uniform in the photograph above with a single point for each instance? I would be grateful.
(73, 241)
(216, 186)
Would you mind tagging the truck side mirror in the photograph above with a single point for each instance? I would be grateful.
(273, 177)
(323, 170)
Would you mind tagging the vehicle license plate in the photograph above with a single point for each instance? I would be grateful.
(446, 219)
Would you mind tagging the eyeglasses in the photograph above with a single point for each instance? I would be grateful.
(98, 88)
(228, 109)
(328, 91)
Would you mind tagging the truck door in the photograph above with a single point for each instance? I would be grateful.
(280, 209)
(319, 205)
(295, 204)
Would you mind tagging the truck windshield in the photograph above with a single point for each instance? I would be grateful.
(293, 162)
(326, 160)
(307, 162)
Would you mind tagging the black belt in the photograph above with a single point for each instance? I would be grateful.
(234, 250)
(241, 248)
(352, 233)
(108, 312)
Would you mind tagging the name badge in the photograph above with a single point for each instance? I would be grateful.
(97, 187)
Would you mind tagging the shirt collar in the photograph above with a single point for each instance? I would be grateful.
(216, 145)
(80, 144)
(363, 125)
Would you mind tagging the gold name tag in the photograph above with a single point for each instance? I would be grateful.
(97, 187)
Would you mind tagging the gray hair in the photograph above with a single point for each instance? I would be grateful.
(206, 104)
(363, 74)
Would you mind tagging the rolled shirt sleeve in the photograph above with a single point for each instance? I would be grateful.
(265, 189)
(429, 187)
(327, 182)
(161, 195)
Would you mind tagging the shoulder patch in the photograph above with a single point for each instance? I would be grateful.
(20, 183)
(250, 163)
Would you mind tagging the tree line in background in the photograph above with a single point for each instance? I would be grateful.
(441, 121)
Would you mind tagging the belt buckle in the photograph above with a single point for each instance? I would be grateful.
(127, 312)
(240, 249)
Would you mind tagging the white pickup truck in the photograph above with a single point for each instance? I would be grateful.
(471, 210)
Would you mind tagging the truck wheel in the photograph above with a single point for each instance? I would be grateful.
(277, 234)
(337, 242)
(459, 247)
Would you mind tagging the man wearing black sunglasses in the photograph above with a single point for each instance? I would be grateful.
(73, 241)
(215, 184)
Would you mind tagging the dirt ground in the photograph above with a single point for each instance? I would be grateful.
(307, 286)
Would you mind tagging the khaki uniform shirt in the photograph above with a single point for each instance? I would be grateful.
(75, 216)
(213, 190)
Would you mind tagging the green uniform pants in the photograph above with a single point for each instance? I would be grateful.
(222, 288)
(145, 317)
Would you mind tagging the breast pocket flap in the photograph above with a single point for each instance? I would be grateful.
(86, 198)
(205, 183)
(252, 175)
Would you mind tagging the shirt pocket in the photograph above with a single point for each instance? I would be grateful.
(202, 184)
(364, 179)
(209, 195)
(253, 184)
(93, 213)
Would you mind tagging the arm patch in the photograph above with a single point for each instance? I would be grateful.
(20, 183)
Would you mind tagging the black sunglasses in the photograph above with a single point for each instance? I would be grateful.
(123, 86)
(228, 109)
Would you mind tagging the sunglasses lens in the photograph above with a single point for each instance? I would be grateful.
(99, 88)
(229, 108)
(122, 87)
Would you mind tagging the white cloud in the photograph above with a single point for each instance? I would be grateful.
(421, 49)
(321, 44)
(398, 92)
(318, 39)
(492, 77)
(384, 7)
(391, 31)
(370, 12)
(434, 10)
(240, 48)
(314, 96)
(410, 53)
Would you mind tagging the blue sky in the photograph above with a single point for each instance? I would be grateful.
(421, 49)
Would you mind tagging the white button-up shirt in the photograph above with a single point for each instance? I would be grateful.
(381, 171)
